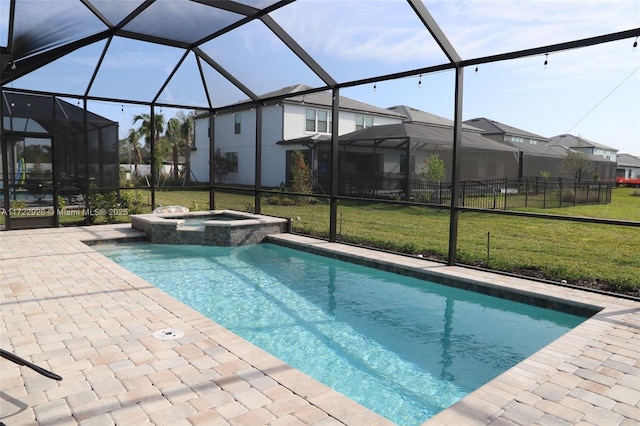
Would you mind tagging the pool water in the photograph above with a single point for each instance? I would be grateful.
(198, 221)
(402, 347)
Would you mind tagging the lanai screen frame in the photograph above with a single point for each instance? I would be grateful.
(10, 72)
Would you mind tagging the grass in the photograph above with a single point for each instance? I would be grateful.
(600, 256)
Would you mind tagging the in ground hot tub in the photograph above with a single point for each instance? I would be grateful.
(211, 228)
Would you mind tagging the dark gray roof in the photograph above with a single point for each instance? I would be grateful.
(34, 113)
(307, 140)
(417, 116)
(628, 160)
(492, 127)
(320, 99)
(572, 141)
(440, 137)
(324, 99)
(543, 149)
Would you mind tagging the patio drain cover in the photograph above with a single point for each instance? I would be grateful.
(168, 334)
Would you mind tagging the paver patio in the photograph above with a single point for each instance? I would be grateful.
(72, 311)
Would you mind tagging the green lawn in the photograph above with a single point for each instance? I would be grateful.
(602, 256)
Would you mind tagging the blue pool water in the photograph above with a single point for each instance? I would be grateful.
(403, 347)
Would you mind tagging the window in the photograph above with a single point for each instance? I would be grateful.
(319, 121)
(363, 121)
(232, 162)
(311, 120)
(322, 121)
(238, 121)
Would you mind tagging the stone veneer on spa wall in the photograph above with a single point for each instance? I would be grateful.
(237, 228)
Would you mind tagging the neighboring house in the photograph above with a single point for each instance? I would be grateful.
(422, 134)
(387, 159)
(510, 135)
(584, 145)
(535, 154)
(628, 167)
(538, 154)
(289, 125)
(603, 158)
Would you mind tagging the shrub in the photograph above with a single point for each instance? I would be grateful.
(103, 205)
(571, 196)
(18, 205)
(132, 201)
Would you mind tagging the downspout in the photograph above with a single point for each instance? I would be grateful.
(520, 165)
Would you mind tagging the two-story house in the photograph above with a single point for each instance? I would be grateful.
(584, 145)
(538, 154)
(292, 124)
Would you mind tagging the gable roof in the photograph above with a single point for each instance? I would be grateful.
(573, 141)
(492, 127)
(325, 99)
(415, 115)
(628, 160)
(396, 135)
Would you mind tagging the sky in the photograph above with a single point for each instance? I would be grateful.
(591, 92)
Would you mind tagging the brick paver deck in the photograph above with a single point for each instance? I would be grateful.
(70, 310)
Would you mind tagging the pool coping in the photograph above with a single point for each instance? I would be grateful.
(591, 374)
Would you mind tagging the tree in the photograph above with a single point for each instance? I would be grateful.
(576, 164)
(220, 167)
(187, 130)
(174, 137)
(133, 139)
(300, 175)
(434, 170)
(144, 131)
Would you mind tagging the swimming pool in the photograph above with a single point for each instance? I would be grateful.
(403, 347)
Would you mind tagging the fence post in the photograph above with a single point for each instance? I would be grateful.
(599, 191)
(560, 185)
(526, 191)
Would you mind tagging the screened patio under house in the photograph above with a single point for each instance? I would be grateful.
(154, 58)
(386, 160)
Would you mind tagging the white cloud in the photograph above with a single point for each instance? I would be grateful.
(387, 31)
(485, 27)
(383, 30)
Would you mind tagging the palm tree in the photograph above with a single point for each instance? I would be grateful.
(144, 131)
(174, 137)
(133, 139)
(187, 130)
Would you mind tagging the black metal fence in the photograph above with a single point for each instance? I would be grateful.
(499, 194)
